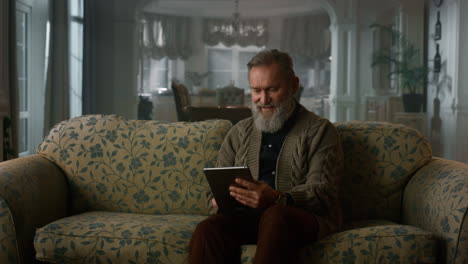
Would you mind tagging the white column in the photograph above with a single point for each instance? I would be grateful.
(460, 103)
(343, 93)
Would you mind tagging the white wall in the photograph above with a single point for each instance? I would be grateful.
(452, 83)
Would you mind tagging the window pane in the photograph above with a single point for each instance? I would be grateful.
(219, 59)
(302, 68)
(76, 37)
(76, 79)
(160, 64)
(158, 79)
(158, 75)
(21, 60)
(20, 24)
(243, 81)
(23, 95)
(23, 137)
(219, 79)
(76, 8)
(76, 57)
(244, 58)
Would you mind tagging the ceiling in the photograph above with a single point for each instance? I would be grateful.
(225, 8)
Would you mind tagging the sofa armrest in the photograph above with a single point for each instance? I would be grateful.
(436, 199)
(33, 193)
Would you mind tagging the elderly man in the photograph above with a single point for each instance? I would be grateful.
(296, 160)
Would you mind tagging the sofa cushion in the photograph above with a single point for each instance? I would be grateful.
(119, 165)
(106, 237)
(374, 244)
(380, 159)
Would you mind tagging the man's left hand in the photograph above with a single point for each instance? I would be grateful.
(257, 194)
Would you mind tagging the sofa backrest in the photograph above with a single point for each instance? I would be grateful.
(380, 159)
(135, 166)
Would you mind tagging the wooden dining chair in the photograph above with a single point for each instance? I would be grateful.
(230, 95)
(182, 101)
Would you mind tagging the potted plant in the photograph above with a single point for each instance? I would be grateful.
(196, 79)
(406, 67)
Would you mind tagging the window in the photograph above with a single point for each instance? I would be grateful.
(155, 75)
(31, 34)
(76, 57)
(23, 31)
(228, 65)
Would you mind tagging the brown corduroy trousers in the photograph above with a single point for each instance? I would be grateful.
(279, 232)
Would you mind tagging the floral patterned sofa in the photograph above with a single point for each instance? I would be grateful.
(103, 189)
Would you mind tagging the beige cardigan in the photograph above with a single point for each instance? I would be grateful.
(309, 167)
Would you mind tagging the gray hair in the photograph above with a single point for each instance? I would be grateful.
(268, 57)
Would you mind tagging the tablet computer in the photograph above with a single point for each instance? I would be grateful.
(220, 179)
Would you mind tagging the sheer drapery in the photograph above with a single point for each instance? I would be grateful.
(166, 36)
(307, 36)
(57, 96)
(246, 32)
(9, 109)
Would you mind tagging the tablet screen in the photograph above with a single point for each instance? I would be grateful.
(220, 179)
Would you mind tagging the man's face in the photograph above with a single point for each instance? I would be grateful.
(269, 87)
(272, 94)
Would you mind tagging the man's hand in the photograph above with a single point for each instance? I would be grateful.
(257, 194)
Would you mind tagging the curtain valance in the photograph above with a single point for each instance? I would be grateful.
(166, 36)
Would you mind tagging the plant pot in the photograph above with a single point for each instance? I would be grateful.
(413, 103)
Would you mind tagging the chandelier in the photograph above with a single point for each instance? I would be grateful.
(235, 29)
(235, 20)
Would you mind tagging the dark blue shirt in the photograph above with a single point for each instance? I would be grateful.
(270, 150)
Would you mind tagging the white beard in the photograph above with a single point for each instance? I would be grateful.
(275, 121)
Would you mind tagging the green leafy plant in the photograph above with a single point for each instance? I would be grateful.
(403, 59)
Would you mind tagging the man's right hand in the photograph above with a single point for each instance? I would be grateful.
(213, 202)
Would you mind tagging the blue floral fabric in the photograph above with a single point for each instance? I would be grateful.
(151, 167)
(375, 244)
(436, 199)
(8, 246)
(137, 194)
(106, 237)
(33, 192)
(380, 158)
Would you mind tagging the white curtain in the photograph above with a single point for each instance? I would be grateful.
(244, 32)
(166, 36)
(306, 36)
(9, 110)
(57, 96)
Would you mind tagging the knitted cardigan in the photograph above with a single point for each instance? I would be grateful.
(309, 166)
